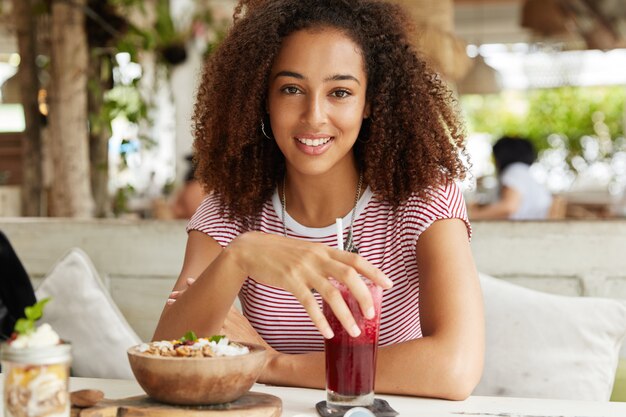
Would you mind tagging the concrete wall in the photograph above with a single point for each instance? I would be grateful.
(140, 260)
(584, 258)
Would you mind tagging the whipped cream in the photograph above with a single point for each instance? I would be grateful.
(43, 336)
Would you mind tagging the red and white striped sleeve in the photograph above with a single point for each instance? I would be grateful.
(210, 219)
(446, 202)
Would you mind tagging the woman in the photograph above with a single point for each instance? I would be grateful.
(311, 110)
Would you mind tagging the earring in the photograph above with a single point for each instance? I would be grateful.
(263, 130)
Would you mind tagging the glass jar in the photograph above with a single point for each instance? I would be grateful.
(36, 381)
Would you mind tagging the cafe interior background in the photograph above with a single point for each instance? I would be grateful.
(553, 71)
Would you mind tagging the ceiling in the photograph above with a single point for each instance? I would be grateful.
(489, 21)
(580, 24)
(499, 21)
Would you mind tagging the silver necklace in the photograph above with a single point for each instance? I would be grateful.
(349, 243)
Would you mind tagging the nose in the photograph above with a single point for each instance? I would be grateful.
(314, 113)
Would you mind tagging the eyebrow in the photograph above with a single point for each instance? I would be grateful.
(336, 77)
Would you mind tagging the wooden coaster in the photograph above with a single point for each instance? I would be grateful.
(252, 404)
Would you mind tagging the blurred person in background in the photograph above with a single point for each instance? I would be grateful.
(521, 197)
(189, 197)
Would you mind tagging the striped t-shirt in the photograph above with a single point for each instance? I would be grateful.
(384, 237)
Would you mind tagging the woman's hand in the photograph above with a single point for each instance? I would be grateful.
(171, 299)
(300, 267)
(237, 328)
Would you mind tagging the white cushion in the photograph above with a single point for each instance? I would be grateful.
(549, 346)
(82, 312)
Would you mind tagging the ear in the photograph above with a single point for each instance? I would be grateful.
(367, 110)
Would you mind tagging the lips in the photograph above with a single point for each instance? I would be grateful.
(314, 142)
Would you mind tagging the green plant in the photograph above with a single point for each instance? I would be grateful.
(121, 198)
(168, 42)
(571, 112)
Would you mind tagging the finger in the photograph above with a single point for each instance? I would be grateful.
(356, 286)
(335, 300)
(175, 294)
(309, 303)
(361, 294)
(363, 267)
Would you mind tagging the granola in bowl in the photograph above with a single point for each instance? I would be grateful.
(192, 347)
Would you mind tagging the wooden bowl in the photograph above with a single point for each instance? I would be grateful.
(197, 381)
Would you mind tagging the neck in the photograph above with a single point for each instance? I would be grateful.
(318, 201)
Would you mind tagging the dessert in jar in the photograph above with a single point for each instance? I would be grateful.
(35, 364)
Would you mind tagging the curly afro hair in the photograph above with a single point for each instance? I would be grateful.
(412, 141)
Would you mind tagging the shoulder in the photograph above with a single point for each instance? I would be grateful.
(441, 202)
(212, 218)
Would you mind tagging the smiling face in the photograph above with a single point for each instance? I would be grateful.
(317, 100)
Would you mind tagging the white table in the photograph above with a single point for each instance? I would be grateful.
(300, 402)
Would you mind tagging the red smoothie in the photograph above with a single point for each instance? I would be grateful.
(351, 361)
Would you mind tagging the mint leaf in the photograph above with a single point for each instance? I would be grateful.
(35, 311)
(216, 338)
(32, 313)
(189, 336)
(23, 326)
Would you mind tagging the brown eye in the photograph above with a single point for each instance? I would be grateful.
(291, 90)
(341, 93)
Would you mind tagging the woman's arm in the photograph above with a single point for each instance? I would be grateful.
(203, 257)
(447, 361)
(294, 265)
(509, 202)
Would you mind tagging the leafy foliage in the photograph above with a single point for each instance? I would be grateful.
(168, 40)
(571, 112)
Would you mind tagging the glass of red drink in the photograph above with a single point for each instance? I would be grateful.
(351, 361)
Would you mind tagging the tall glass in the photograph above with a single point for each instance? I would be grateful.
(36, 381)
(351, 361)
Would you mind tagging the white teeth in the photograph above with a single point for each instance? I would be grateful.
(314, 142)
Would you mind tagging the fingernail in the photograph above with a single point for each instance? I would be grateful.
(388, 282)
(370, 313)
(169, 301)
(355, 331)
(328, 333)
